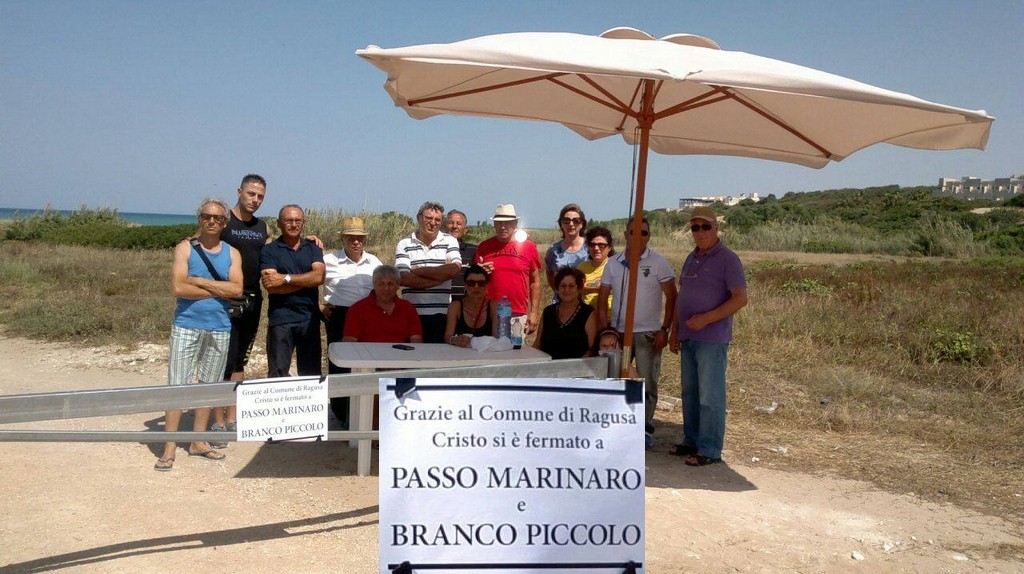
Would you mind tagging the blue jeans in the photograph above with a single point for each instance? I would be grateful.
(702, 376)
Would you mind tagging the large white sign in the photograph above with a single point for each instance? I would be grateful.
(292, 408)
(511, 475)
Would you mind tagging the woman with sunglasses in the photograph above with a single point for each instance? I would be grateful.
(571, 250)
(473, 315)
(567, 328)
(600, 247)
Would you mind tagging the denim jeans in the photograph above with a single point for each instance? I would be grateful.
(702, 376)
(648, 366)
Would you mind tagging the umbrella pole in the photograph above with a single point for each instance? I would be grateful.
(645, 120)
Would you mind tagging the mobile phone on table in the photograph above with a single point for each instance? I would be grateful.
(402, 347)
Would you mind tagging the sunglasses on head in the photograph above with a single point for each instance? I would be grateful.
(475, 283)
(700, 226)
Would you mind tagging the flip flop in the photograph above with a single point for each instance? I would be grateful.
(682, 450)
(164, 464)
(700, 460)
(208, 455)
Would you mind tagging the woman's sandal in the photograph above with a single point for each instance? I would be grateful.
(164, 464)
(682, 450)
(700, 460)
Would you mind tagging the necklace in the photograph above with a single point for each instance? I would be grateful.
(476, 324)
(571, 317)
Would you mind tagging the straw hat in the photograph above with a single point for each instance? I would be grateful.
(352, 226)
(505, 212)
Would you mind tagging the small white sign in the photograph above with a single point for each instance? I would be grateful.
(516, 475)
(293, 409)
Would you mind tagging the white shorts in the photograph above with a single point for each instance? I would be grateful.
(197, 354)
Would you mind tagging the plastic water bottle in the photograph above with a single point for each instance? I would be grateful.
(517, 332)
(505, 318)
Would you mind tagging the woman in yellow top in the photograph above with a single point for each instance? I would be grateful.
(599, 245)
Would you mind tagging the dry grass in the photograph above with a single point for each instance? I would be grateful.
(902, 372)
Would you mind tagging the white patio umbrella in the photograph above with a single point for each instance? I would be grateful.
(678, 95)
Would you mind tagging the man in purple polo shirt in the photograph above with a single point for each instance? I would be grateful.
(712, 289)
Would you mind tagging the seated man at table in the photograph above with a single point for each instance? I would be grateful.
(381, 317)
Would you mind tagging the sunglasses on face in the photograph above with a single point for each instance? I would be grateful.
(572, 220)
(700, 227)
(644, 233)
(597, 245)
(476, 283)
(204, 217)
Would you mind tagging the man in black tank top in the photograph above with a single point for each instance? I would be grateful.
(246, 233)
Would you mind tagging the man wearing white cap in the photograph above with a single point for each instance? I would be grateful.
(514, 267)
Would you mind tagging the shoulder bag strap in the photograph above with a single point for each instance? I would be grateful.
(206, 260)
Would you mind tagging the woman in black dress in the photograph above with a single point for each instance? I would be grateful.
(473, 315)
(567, 328)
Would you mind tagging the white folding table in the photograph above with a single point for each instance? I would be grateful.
(366, 357)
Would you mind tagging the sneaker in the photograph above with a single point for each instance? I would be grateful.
(648, 441)
(218, 428)
(232, 427)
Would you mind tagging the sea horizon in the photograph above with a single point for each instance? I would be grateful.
(137, 218)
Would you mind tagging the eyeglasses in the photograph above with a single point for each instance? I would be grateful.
(644, 233)
(572, 220)
(293, 221)
(204, 217)
(359, 238)
(700, 226)
(476, 283)
(597, 245)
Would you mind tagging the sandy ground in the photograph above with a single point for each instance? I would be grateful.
(300, 508)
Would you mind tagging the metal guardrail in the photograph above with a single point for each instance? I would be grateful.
(65, 405)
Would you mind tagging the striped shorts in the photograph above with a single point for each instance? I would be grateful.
(197, 352)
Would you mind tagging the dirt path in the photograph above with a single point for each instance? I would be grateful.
(299, 508)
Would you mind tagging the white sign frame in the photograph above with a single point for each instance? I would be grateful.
(282, 409)
(518, 482)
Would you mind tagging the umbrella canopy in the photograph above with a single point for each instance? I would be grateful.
(678, 95)
(708, 100)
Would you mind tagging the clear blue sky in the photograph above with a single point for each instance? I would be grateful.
(149, 106)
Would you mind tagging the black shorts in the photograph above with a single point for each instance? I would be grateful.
(243, 334)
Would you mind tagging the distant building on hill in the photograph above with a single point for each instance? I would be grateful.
(970, 187)
(687, 203)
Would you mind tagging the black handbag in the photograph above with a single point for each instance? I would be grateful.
(236, 306)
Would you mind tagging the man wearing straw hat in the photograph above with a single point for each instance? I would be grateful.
(349, 278)
(514, 266)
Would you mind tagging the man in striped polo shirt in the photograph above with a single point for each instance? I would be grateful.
(427, 260)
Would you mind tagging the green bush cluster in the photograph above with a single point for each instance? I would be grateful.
(95, 228)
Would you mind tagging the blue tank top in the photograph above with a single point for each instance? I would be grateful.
(210, 314)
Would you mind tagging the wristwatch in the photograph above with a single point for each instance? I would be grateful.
(288, 279)
(666, 329)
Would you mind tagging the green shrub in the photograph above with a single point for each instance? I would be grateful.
(956, 347)
(808, 285)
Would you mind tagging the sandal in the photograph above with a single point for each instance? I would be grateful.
(700, 460)
(208, 455)
(164, 464)
(682, 450)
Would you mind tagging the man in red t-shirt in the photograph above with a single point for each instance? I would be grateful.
(382, 317)
(514, 265)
